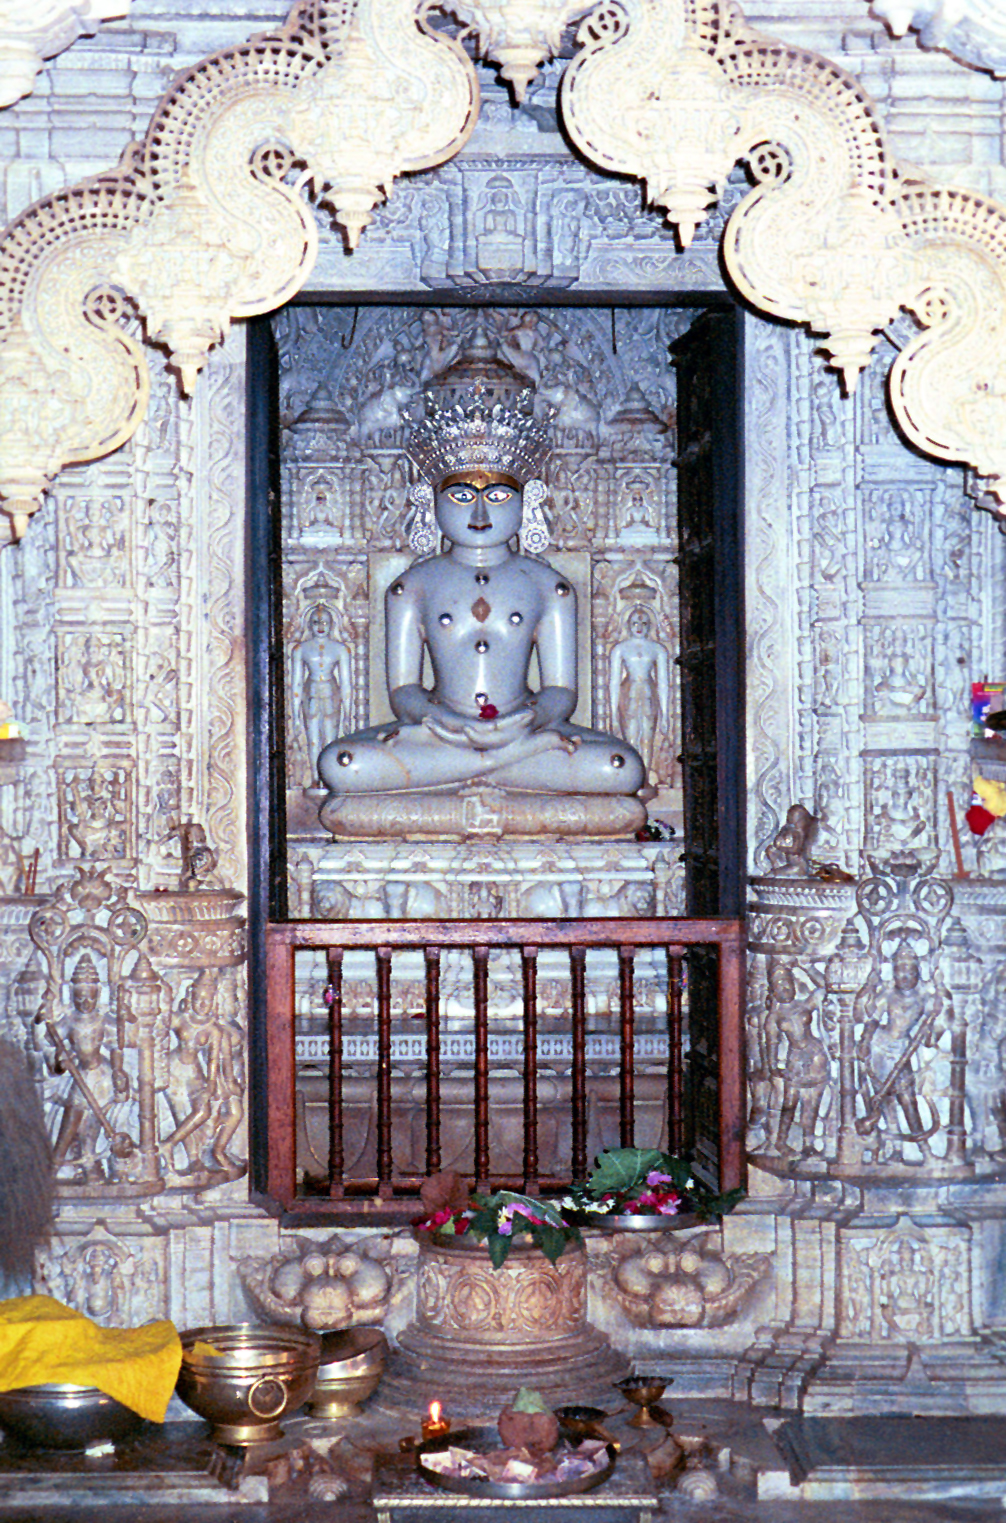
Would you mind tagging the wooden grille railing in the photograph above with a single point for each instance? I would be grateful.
(382, 1196)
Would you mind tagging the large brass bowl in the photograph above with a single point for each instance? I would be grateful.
(65, 1416)
(352, 1363)
(247, 1378)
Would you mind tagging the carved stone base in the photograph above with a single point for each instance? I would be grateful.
(481, 1333)
(480, 813)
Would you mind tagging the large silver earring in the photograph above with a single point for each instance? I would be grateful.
(534, 535)
(423, 534)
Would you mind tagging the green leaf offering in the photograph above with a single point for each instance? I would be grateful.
(527, 1400)
(621, 1169)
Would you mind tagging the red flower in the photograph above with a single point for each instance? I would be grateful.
(979, 818)
(489, 711)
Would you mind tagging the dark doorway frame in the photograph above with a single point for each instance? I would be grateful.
(266, 771)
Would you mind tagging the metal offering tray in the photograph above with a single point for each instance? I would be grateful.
(632, 1222)
(483, 1441)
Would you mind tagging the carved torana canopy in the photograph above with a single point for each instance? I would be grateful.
(206, 221)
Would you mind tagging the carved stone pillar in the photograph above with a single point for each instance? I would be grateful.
(877, 1028)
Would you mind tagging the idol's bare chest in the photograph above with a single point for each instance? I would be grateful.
(472, 607)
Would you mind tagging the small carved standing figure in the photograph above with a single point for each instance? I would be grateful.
(804, 1072)
(321, 682)
(94, 1085)
(210, 1084)
(640, 686)
(897, 1025)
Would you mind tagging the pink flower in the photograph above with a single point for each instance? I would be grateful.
(654, 1177)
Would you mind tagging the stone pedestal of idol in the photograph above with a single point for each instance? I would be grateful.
(482, 756)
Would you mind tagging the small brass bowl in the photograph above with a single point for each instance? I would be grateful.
(644, 1391)
(64, 1416)
(247, 1378)
(352, 1363)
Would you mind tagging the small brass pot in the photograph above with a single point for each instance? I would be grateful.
(247, 1378)
(352, 1363)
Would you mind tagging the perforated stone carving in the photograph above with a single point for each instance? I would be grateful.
(828, 237)
(519, 34)
(360, 95)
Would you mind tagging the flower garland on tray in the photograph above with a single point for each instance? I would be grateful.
(644, 1182)
(496, 1220)
(637, 1182)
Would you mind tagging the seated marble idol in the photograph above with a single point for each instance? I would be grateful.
(481, 610)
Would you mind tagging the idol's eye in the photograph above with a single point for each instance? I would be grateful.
(499, 494)
(462, 494)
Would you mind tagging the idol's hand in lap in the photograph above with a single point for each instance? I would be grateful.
(550, 707)
(492, 734)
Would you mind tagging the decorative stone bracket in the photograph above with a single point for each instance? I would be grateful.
(205, 221)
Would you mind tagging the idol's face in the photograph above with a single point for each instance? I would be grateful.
(478, 516)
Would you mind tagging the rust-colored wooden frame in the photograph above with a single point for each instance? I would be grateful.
(528, 937)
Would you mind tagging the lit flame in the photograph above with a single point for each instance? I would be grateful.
(435, 1410)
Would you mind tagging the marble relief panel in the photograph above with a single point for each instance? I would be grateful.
(93, 677)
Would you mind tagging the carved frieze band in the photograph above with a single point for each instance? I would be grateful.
(206, 221)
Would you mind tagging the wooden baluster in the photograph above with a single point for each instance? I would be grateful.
(627, 1076)
(384, 1164)
(480, 985)
(432, 1059)
(675, 1055)
(333, 994)
(529, 972)
(730, 1066)
(578, 1076)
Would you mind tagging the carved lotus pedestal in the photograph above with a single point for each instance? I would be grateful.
(480, 813)
(480, 1332)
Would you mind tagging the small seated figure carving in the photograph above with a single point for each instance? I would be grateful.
(482, 610)
(789, 851)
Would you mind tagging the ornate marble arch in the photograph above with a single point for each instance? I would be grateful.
(206, 220)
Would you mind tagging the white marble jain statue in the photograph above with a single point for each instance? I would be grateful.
(481, 609)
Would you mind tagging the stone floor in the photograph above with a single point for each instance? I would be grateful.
(164, 1475)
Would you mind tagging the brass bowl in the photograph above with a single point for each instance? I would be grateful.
(352, 1363)
(645, 1391)
(252, 1377)
(64, 1416)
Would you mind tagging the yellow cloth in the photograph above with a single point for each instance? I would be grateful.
(992, 795)
(44, 1342)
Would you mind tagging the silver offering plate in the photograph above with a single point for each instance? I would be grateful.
(634, 1221)
(481, 1441)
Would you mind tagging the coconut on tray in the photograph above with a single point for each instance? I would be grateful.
(531, 1452)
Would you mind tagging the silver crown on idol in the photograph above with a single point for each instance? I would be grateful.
(475, 432)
